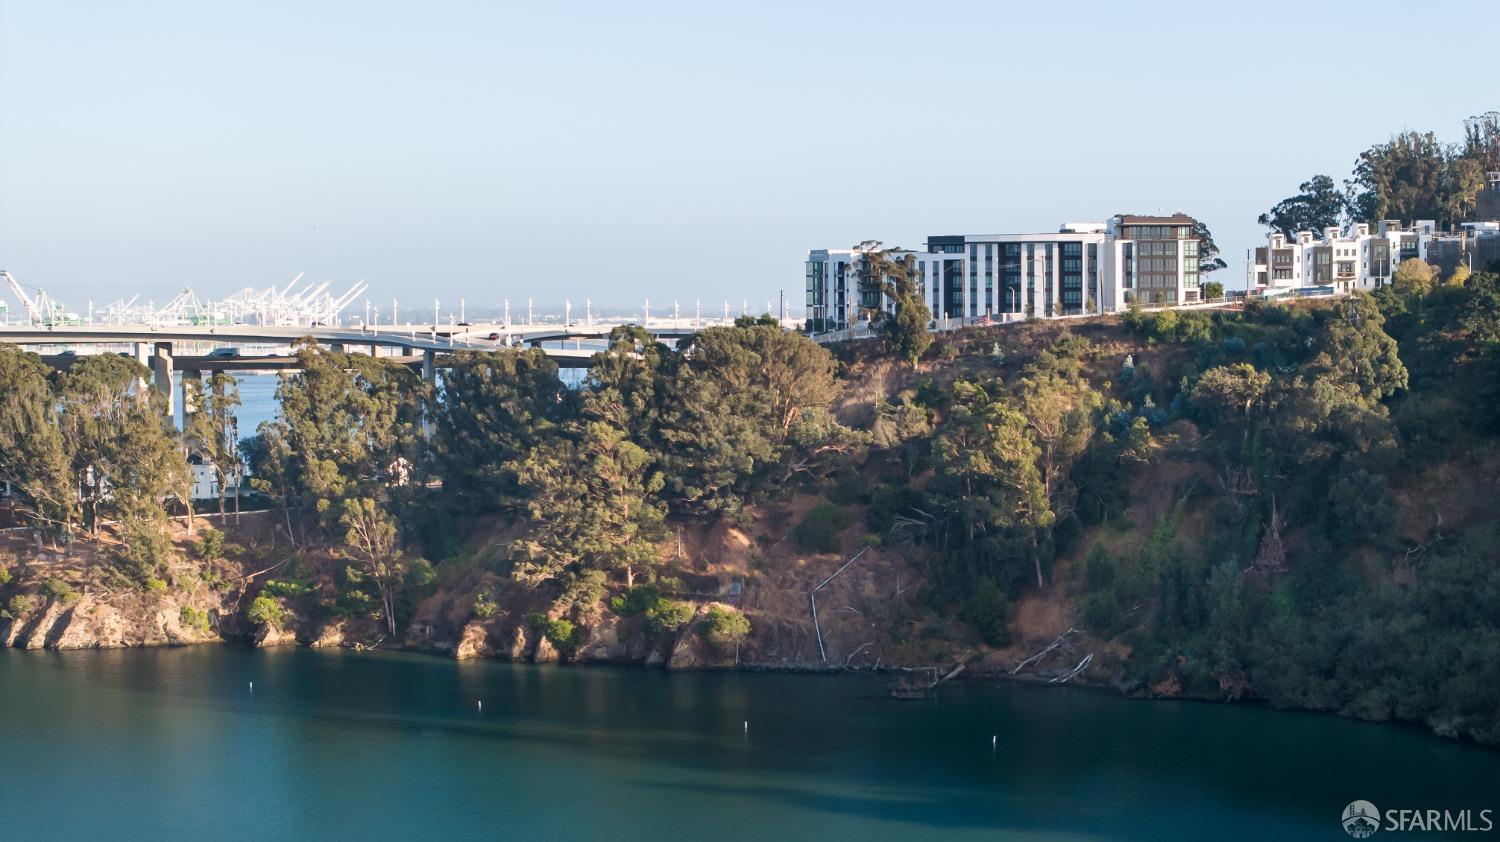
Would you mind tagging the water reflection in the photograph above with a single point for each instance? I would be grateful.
(392, 745)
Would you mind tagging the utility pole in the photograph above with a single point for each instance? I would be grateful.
(507, 314)
(567, 311)
(698, 313)
(529, 319)
(395, 315)
(781, 307)
(647, 320)
(462, 315)
(588, 311)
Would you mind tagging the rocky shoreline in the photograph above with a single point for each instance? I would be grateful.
(134, 619)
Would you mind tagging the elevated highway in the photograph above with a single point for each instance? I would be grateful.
(167, 350)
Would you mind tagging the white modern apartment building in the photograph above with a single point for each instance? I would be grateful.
(1365, 259)
(838, 290)
(1083, 268)
(1360, 259)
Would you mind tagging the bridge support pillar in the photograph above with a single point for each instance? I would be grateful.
(374, 350)
(142, 353)
(161, 375)
(336, 347)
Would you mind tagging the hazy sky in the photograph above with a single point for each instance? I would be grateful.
(670, 150)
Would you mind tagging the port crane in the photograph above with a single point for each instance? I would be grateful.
(42, 310)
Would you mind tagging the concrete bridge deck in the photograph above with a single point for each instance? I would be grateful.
(157, 347)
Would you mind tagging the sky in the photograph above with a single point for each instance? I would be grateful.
(670, 151)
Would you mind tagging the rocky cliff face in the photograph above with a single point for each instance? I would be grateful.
(108, 621)
(179, 618)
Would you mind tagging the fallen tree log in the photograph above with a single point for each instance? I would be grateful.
(1047, 650)
(1082, 665)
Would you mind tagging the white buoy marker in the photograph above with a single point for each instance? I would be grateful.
(480, 705)
(252, 687)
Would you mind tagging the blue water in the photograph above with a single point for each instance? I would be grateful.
(172, 743)
(257, 401)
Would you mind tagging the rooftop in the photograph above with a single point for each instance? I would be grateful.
(1174, 219)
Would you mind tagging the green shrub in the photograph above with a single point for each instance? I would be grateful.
(60, 590)
(988, 611)
(1099, 570)
(292, 589)
(211, 545)
(484, 605)
(583, 590)
(849, 486)
(724, 627)
(562, 633)
(1164, 326)
(265, 610)
(1101, 614)
(1194, 327)
(145, 555)
(636, 600)
(418, 582)
(194, 619)
(668, 615)
(822, 527)
(211, 578)
(19, 606)
(5, 577)
(357, 595)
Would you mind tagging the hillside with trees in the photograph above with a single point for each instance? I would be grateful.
(1282, 504)
(1412, 176)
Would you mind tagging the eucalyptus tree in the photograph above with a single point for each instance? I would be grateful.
(1317, 206)
(1208, 251)
(350, 428)
(594, 505)
(213, 429)
(1415, 176)
(492, 410)
(372, 543)
(1234, 390)
(594, 489)
(989, 488)
(125, 456)
(33, 456)
(1061, 411)
(733, 400)
(896, 277)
